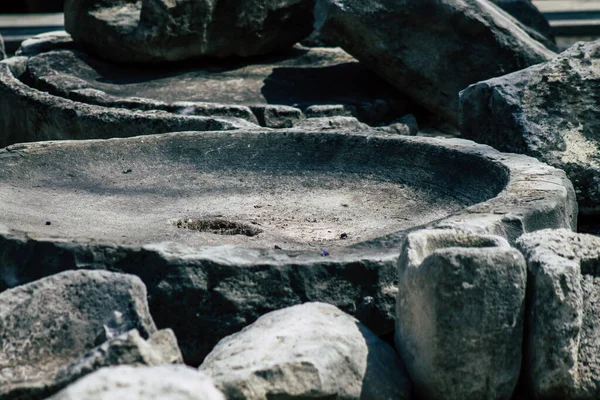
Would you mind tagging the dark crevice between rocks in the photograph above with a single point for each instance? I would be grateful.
(217, 226)
(589, 222)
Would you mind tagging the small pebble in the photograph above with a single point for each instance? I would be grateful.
(48, 223)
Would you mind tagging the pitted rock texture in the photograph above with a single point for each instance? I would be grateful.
(142, 383)
(562, 348)
(313, 350)
(472, 40)
(48, 324)
(163, 30)
(529, 15)
(549, 111)
(459, 321)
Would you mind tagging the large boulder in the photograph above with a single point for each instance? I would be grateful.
(528, 14)
(430, 49)
(161, 30)
(459, 323)
(550, 111)
(562, 348)
(48, 324)
(312, 350)
(142, 383)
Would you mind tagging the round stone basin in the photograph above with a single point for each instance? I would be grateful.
(291, 191)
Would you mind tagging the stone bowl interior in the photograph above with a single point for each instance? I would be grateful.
(292, 190)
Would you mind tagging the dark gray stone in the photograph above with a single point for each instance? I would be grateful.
(430, 49)
(549, 111)
(528, 14)
(167, 382)
(313, 350)
(2, 52)
(459, 322)
(303, 190)
(48, 324)
(159, 30)
(563, 343)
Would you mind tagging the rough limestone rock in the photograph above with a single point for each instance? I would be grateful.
(459, 322)
(50, 323)
(472, 40)
(529, 15)
(169, 382)
(562, 349)
(163, 30)
(549, 111)
(312, 350)
(126, 349)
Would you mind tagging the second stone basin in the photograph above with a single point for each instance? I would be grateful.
(225, 226)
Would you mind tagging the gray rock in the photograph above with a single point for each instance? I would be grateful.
(2, 52)
(204, 290)
(548, 111)
(528, 14)
(158, 30)
(277, 116)
(48, 324)
(142, 383)
(332, 124)
(459, 322)
(562, 351)
(312, 350)
(406, 125)
(43, 42)
(472, 40)
(126, 349)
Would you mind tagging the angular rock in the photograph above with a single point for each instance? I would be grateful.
(562, 348)
(2, 52)
(169, 382)
(50, 323)
(45, 42)
(549, 111)
(528, 14)
(160, 30)
(460, 309)
(430, 49)
(332, 123)
(312, 350)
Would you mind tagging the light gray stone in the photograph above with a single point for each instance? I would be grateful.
(161, 30)
(43, 42)
(548, 111)
(142, 383)
(332, 124)
(459, 322)
(50, 323)
(312, 350)
(430, 49)
(562, 351)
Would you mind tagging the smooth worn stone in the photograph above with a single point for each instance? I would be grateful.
(162, 30)
(258, 221)
(44, 42)
(528, 14)
(430, 49)
(562, 347)
(313, 350)
(126, 349)
(167, 382)
(460, 310)
(48, 324)
(548, 111)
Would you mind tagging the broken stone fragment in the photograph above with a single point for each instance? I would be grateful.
(562, 347)
(472, 40)
(161, 30)
(459, 321)
(313, 350)
(549, 111)
(50, 323)
(167, 382)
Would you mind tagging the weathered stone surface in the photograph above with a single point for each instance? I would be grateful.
(459, 322)
(549, 111)
(142, 383)
(50, 323)
(44, 42)
(407, 125)
(159, 30)
(528, 14)
(430, 49)
(562, 348)
(146, 182)
(313, 350)
(347, 124)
